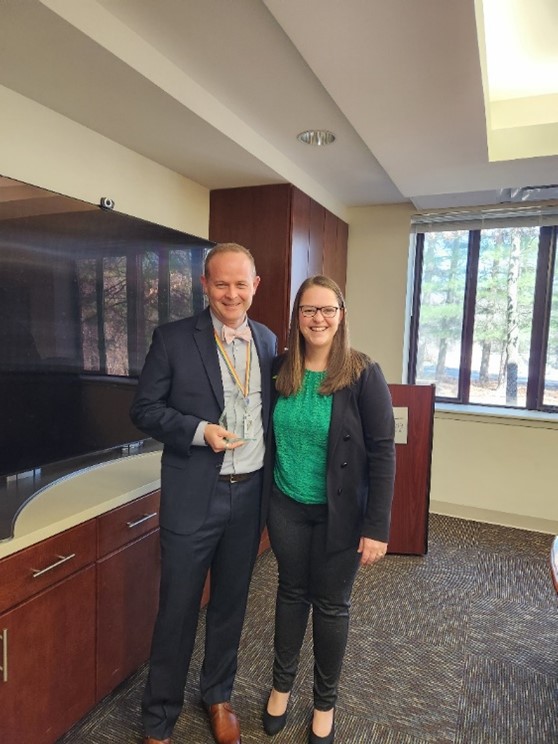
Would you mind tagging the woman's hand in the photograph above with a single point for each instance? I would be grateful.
(371, 550)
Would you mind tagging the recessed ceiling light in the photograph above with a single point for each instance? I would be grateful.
(316, 137)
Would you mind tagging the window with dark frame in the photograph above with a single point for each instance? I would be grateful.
(484, 312)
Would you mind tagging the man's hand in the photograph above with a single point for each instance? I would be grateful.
(220, 439)
(371, 550)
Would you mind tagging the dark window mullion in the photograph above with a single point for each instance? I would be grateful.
(541, 318)
(134, 331)
(164, 286)
(415, 310)
(469, 306)
(100, 302)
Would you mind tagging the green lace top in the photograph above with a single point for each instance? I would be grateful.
(301, 427)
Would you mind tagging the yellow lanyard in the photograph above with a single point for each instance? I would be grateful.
(244, 389)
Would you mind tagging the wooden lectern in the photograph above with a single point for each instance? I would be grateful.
(414, 416)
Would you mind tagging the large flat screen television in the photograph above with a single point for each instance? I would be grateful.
(81, 289)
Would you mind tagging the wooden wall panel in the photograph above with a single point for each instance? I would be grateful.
(300, 242)
(259, 219)
(335, 249)
(291, 237)
(316, 254)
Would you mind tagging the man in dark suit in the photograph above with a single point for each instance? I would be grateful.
(204, 392)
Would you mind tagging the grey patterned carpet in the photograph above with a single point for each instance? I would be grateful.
(459, 646)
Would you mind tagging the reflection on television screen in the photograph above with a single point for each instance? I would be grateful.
(81, 290)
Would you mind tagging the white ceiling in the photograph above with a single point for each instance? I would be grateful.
(217, 90)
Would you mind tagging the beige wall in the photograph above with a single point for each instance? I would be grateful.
(377, 283)
(43, 148)
(491, 469)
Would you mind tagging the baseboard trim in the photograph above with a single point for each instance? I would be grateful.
(504, 519)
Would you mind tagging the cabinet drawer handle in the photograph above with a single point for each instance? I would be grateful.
(4, 667)
(63, 559)
(145, 517)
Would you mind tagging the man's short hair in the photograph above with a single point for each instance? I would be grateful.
(227, 248)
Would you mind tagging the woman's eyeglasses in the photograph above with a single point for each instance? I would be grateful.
(328, 311)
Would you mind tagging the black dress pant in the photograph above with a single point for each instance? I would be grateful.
(227, 543)
(309, 577)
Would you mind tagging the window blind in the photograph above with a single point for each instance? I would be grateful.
(521, 215)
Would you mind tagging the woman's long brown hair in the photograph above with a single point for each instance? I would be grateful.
(344, 365)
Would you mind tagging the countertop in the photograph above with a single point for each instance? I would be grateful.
(81, 496)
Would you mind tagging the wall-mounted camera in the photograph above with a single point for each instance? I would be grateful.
(106, 203)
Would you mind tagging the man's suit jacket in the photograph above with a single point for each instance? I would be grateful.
(360, 460)
(180, 385)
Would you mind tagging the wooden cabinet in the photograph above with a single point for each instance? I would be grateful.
(76, 618)
(127, 589)
(291, 237)
(47, 623)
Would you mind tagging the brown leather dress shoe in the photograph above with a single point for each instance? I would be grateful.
(151, 740)
(224, 723)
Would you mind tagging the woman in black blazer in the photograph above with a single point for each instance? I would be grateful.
(331, 467)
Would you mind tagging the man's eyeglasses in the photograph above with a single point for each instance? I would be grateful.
(328, 311)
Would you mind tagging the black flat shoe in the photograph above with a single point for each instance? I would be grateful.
(273, 724)
(315, 739)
